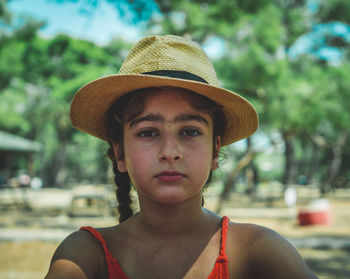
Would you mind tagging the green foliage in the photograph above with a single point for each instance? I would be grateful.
(333, 10)
(34, 58)
(39, 78)
(10, 62)
(268, 29)
(28, 31)
(12, 108)
(90, 149)
(5, 15)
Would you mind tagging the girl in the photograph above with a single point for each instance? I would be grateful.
(166, 119)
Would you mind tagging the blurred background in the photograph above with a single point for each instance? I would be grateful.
(290, 58)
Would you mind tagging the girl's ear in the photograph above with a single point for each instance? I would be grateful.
(217, 146)
(120, 162)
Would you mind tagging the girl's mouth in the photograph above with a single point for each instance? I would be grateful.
(170, 176)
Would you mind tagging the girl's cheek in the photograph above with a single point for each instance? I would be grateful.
(141, 159)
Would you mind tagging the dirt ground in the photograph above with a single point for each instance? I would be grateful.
(29, 238)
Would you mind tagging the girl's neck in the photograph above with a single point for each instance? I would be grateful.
(171, 221)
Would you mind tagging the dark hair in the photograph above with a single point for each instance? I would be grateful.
(128, 107)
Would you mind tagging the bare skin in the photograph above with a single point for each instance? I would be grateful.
(173, 236)
(252, 251)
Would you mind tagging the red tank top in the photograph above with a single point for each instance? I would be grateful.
(220, 270)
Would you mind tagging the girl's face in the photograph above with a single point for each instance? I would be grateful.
(168, 148)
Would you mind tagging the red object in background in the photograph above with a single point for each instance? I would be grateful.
(318, 212)
(314, 218)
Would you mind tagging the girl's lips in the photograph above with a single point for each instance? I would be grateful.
(170, 176)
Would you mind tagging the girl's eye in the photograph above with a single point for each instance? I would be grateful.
(147, 133)
(190, 132)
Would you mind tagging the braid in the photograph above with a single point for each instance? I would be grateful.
(123, 184)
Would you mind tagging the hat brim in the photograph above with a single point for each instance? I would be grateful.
(91, 103)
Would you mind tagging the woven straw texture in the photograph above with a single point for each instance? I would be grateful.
(155, 53)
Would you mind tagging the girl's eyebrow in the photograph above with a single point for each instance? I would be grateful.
(190, 116)
(159, 118)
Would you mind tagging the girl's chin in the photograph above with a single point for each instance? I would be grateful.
(174, 197)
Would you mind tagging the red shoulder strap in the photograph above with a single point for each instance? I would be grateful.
(220, 270)
(99, 237)
(114, 269)
(224, 229)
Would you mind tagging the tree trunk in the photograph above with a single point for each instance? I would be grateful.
(61, 167)
(54, 172)
(335, 164)
(252, 176)
(290, 164)
(314, 164)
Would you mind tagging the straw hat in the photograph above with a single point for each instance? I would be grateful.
(162, 61)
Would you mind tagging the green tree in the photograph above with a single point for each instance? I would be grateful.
(36, 92)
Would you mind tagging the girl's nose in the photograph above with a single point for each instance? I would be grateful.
(170, 150)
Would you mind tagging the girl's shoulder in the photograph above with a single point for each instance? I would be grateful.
(72, 243)
(253, 238)
(83, 250)
(248, 233)
(264, 252)
(245, 239)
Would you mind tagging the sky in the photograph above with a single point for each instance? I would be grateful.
(318, 35)
(67, 18)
